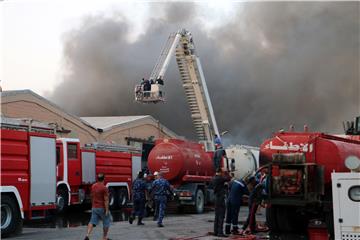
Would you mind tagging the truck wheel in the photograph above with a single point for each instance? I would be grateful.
(62, 200)
(112, 198)
(329, 220)
(11, 221)
(288, 220)
(199, 201)
(123, 197)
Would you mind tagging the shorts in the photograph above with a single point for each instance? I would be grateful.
(97, 214)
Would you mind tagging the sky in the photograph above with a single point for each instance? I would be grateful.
(267, 65)
(32, 35)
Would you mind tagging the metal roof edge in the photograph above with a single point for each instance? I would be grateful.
(9, 93)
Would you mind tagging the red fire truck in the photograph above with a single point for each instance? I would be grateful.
(301, 164)
(40, 172)
(77, 168)
(28, 170)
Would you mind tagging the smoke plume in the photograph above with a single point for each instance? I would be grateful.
(269, 66)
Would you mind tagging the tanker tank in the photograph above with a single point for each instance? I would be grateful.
(177, 159)
(245, 160)
(326, 150)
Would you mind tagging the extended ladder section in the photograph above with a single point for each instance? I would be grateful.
(163, 61)
(196, 91)
(193, 81)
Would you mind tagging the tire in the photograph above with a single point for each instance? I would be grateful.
(149, 208)
(122, 197)
(199, 201)
(11, 222)
(112, 199)
(329, 220)
(180, 209)
(62, 200)
(288, 220)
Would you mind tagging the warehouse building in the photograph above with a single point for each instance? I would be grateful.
(129, 130)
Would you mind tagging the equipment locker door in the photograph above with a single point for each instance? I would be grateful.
(88, 167)
(43, 170)
(74, 163)
(136, 166)
(346, 213)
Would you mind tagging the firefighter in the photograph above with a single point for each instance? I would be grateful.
(255, 199)
(218, 182)
(217, 140)
(237, 188)
(139, 191)
(160, 189)
(218, 155)
(147, 88)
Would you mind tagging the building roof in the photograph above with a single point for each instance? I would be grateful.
(103, 123)
(11, 93)
(110, 122)
(106, 123)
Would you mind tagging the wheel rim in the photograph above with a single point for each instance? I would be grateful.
(60, 203)
(122, 198)
(111, 199)
(6, 216)
(199, 201)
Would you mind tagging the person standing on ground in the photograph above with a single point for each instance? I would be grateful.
(218, 182)
(237, 189)
(100, 207)
(139, 199)
(160, 189)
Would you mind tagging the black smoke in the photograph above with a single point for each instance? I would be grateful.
(271, 65)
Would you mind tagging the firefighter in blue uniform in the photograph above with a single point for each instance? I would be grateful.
(161, 190)
(139, 199)
(237, 188)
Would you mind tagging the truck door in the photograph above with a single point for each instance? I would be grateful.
(74, 163)
(59, 162)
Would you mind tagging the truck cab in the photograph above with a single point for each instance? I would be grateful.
(69, 173)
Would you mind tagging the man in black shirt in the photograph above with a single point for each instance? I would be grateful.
(218, 183)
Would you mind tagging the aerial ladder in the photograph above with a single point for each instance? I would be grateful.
(193, 81)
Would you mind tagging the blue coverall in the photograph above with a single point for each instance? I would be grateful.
(237, 189)
(161, 189)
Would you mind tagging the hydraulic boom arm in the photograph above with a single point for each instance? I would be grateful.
(193, 82)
